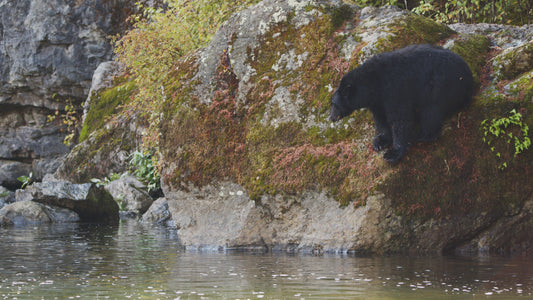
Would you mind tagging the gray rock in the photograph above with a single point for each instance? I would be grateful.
(28, 212)
(10, 171)
(158, 213)
(50, 49)
(513, 61)
(91, 202)
(130, 194)
(31, 142)
(502, 36)
(223, 217)
(6, 196)
(44, 166)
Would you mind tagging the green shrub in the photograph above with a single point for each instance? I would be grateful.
(142, 166)
(511, 131)
(159, 38)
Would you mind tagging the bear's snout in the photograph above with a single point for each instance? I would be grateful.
(336, 112)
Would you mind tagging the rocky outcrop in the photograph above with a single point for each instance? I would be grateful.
(222, 216)
(249, 160)
(257, 85)
(48, 53)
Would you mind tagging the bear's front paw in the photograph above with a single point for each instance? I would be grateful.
(394, 155)
(382, 142)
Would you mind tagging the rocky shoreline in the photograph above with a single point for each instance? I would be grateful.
(42, 69)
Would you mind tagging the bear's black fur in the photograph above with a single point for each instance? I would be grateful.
(409, 92)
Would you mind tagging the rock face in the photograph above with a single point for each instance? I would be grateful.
(223, 217)
(48, 53)
(257, 84)
(50, 49)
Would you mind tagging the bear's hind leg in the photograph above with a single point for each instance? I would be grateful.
(430, 126)
(402, 139)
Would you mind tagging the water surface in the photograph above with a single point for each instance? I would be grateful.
(132, 261)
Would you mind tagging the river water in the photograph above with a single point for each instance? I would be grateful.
(133, 261)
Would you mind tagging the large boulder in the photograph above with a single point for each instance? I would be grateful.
(158, 213)
(249, 159)
(130, 194)
(28, 212)
(90, 201)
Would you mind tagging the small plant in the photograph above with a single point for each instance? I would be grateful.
(512, 130)
(107, 180)
(142, 166)
(26, 180)
(70, 118)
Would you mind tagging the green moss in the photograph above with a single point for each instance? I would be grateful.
(514, 62)
(473, 49)
(104, 104)
(521, 89)
(415, 29)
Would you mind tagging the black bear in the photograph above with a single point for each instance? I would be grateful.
(409, 92)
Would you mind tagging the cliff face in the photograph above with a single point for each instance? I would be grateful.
(48, 53)
(249, 160)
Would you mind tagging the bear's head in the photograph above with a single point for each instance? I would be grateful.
(338, 108)
(342, 103)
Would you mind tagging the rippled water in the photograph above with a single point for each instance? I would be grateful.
(129, 261)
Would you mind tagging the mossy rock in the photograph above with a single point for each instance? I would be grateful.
(103, 104)
(513, 61)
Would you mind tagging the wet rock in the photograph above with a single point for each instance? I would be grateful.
(4, 221)
(223, 217)
(28, 212)
(130, 194)
(91, 202)
(159, 214)
(512, 234)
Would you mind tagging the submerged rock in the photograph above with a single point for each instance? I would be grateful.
(159, 213)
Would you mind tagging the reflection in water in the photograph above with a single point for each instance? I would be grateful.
(131, 261)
